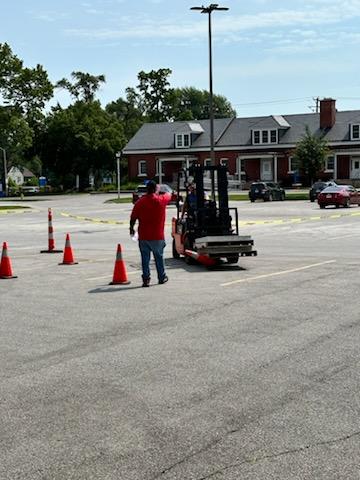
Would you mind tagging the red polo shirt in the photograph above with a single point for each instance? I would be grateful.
(150, 211)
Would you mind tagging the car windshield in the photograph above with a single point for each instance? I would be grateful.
(319, 185)
(332, 189)
(141, 189)
(256, 186)
(165, 188)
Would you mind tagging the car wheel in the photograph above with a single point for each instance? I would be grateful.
(321, 205)
(252, 200)
(282, 197)
(347, 203)
(312, 200)
(232, 259)
(337, 205)
(174, 251)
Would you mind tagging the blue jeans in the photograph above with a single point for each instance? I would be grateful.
(157, 248)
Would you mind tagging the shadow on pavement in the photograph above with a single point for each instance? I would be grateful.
(114, 289)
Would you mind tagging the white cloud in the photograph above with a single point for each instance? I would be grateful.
(313, 14)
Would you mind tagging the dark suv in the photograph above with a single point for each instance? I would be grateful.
(317, 187)
(267, 191)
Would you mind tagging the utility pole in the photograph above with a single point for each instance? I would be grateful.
(209, 10)
(5, 172)
(118, 157)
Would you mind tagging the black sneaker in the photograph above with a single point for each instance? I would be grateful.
(146, 282)
(164, 280)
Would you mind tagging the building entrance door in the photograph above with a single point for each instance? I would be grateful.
(266, 169)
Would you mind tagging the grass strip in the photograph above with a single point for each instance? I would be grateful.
(12, 207)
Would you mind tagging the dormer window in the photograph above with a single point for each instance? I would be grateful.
(182, 140)
(260, 137)
(355, 131)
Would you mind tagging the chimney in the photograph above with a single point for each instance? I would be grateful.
(327, 113)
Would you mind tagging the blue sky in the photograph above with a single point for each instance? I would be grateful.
(269, 56)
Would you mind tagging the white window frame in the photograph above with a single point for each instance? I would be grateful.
(327, 169)
(261, 134)
(290, 166)
(180, 140)
(162, 168)
(226, 160)
(352, 125)
(140, 164)
(207, 162)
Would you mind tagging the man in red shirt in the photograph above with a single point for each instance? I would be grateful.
(150, 211)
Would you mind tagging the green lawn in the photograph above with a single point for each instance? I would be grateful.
(120, 200)
(12, 207)
(289, 196)
(232, 197)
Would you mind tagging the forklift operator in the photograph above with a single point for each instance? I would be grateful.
(190, 203)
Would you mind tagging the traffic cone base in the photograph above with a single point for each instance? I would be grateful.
(203, 259)
(120, 274)
(6, 272)
(68, 258)
(51, 251)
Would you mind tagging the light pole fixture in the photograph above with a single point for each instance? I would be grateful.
(5, 171)
(211, 8)
(118, 157)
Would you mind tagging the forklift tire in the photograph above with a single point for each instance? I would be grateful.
(232, 259)
(174, 251)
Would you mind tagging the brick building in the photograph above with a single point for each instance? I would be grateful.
(253, 148)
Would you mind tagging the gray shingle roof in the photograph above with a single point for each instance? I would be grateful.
(237, 132)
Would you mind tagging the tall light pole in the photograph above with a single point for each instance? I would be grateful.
(118, 157)
(209, 10)
(5, 171)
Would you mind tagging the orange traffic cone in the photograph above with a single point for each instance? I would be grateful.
(51, 240)
(120, 275)
(68, 258)
(5, 265)
(203, 259)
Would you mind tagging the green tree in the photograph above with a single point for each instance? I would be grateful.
(127, 112)
(16, 136)
(83, 86)
(26, 89)
(155, 94)
(310, 154)
(189, 103)
(80, 140)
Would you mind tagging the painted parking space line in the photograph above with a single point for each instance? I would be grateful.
(273, 274)
(93, 220)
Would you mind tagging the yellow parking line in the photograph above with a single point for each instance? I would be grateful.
(273, 274)
(93, 220)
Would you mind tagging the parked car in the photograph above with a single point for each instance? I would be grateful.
(337, 195)
(317, 187)
(267, 191)
(163, 188)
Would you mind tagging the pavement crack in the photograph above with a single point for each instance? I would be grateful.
(257, 459)
(187, 457)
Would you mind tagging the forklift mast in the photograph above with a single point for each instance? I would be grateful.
(212, 216)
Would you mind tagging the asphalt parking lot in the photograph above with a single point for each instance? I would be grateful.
(244, 372)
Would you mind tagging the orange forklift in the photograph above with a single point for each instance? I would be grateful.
(208, 233)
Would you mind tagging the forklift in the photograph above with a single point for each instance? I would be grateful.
(209, 231)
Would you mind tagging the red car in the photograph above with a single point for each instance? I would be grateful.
(337, 195)
(163, 188)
